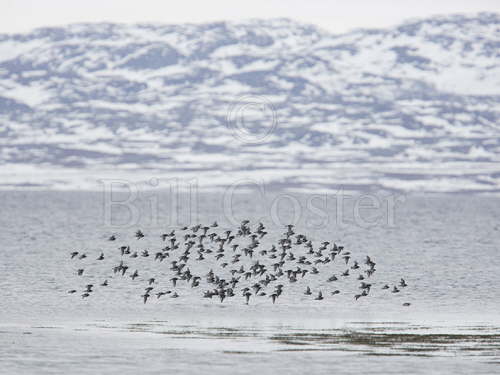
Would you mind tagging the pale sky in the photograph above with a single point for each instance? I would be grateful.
(334, 15)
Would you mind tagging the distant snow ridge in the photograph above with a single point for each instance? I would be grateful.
(414, 107)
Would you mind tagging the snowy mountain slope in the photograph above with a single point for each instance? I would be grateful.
(415, 107)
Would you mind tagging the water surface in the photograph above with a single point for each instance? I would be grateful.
(444, 246)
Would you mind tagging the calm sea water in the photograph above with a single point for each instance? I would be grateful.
(446, 248)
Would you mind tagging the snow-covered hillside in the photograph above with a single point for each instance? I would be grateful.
(414, 107)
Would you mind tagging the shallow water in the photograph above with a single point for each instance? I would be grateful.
(444, 246)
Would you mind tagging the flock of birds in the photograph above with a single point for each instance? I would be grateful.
(250, 269)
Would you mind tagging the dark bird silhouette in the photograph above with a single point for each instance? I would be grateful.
(247, 297)
(274, 296)
(332, 278)
(160, 294)
(319, 297)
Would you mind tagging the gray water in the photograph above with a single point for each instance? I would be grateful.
(446, 248)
